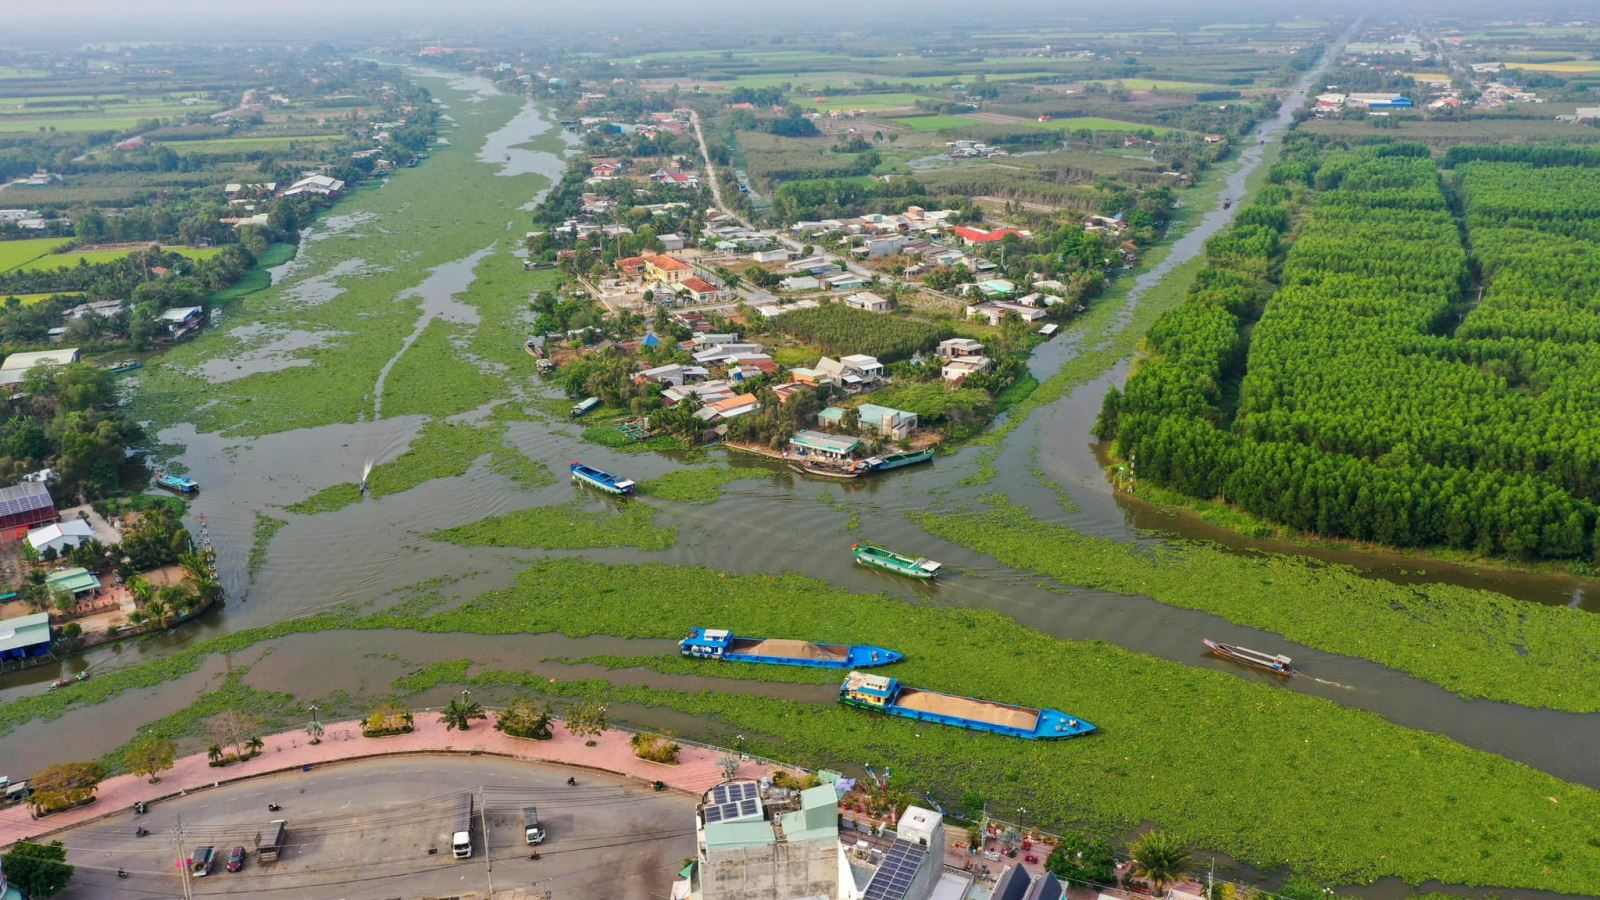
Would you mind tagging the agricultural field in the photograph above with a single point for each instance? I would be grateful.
(228, 146)
(1096, 123)
(934, 123)
(16, 253)
(868, 102)
(33, 299)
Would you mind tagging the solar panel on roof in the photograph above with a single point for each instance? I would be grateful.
(747, 807)
(893, 879)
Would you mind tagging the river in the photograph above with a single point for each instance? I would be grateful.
(375, 548)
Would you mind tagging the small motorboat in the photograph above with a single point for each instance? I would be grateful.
(178, 484)
(63, 682)
(1277, 664)
(879, 558)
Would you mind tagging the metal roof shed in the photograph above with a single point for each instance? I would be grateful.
(26, 504)
(25, 636)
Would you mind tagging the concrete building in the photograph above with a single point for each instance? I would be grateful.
(17, 365)
(1016, 884)
(770, 847)
(959, 368)
(956, 348)
(25, 636)
(913, 864)
(60, 536)
(867, 300)
(827, 446)
(890, 423)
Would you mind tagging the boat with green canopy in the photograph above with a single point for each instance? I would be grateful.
(879, 558)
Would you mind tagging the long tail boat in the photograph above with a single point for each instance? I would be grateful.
(720, 644)
(605, 481)
(879, 558)
(1277, 664)
(178, 484)
(880, 693)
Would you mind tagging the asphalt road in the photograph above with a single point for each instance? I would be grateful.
(379, 829)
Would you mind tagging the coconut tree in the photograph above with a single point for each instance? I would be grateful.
(459, 713)
(214, 752)
(255, 744)
(1160, 857)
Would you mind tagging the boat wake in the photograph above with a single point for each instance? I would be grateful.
(1343, 687)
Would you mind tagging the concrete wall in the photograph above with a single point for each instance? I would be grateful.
(781, 871)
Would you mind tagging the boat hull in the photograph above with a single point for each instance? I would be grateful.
(858, 657)
(1046, 730)
(841, 474)
(602, 481)
(1228, 652)
(904, 459)
(894, 563)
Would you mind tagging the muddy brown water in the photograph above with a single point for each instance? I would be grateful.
(372, 551)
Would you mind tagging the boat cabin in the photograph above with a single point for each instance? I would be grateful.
(584, 406)
(875, 690)
(707, 642)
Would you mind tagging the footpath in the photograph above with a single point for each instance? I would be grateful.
(698, 769)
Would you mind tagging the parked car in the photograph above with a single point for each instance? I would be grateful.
(236, 859)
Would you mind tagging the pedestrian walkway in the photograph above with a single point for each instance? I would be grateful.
(697, 771)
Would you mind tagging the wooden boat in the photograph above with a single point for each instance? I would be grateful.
(720, 644)
(896, 460)
(122, 368)
(178, 484)
(855, 470)
(605, 481)
(881, 693)
(63, 682)
(1276, 664)
(879, 558)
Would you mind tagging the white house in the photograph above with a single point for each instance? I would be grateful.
(60, 536)
(867, 300)
(959, 368)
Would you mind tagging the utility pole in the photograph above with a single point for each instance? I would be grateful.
(488, 857)
(183, 861)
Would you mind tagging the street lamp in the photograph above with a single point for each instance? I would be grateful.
(1021, 812)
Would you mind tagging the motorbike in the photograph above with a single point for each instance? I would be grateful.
(141, 831)
(273, 807)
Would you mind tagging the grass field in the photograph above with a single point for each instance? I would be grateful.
(70, 124)
(246, 144)
(51, 262)
(935, 123)
(15, 253)
(1571, 68)
(1157, 84)
(14, 72)
(31, 299)
(863, 101)
(1096, 123)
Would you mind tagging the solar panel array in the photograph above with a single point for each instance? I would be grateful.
(893, 879)
(734, 802)
(25, 497)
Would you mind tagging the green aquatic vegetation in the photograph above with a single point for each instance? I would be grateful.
(441, 450)
(1268, 776)
(276, 709)
(1474, 643)
(266, 527)
(371, 311)
(606, 435)
(431, 378)
(578, 525)
(698, 485)
(525, 472)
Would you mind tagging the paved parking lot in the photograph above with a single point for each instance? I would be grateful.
(379, 829)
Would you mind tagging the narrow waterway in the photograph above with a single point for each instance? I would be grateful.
(368, 553)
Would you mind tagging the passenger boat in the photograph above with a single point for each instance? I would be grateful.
(879, 558)
(896, 460)
(605, 481)
(1276, 664)
(179, 484)
(719, 643)
(881, 693)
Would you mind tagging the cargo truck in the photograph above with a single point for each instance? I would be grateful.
(531, 828)
(277, 833)
(461, 829)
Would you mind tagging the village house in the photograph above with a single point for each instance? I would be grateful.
(993, 311)
(60, 536)
(879, 247)
(728, 408)
(820, 444)
(96, 308)
(17, 365)
(956, 348)
(975, 236)
(958, 369)
(182, 320)
(867, 300)
(699, 290)
(667, 269)
(895, 424)
(846, 282)
(770, 256)
(318, 185)
(800, 283)
(671, 242)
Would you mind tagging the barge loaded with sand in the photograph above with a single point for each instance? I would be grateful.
(718, 643)
(880, 693)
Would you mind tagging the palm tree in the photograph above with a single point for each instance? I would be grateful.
(255, 744)
(214, 752)
(1160, 857)
(459, 713)
(314, 729)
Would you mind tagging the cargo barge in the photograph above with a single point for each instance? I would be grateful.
(880, 693)
(896, 460)
(605, 481)
(719, 643)
(178, 484)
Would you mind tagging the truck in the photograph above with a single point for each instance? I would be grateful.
(461, 828)
(277, 833)
(200, 861)
(531, 829)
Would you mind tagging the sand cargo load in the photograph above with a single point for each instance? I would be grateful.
(718, 643)
(881, 693)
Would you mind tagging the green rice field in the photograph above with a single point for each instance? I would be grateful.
(1157, 84)
(31, 299)
(246, 144)
(1096, 123)
(936, 123)
(870, 102)
(15, 253)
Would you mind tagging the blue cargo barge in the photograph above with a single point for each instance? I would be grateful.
(605, 481)
(881, 693)
(178, 484)
(718, 643)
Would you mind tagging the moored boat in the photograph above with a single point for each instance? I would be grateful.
(719, 643)
(879, 558)
(121, 368)
(881, 693)
(896, 460)
(181, 484)
(605, 481)
(1278, 664)
(847, 471)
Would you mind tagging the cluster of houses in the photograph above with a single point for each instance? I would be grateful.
(675, 122)
(998, 299)
(978, 149)
(670, 280)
